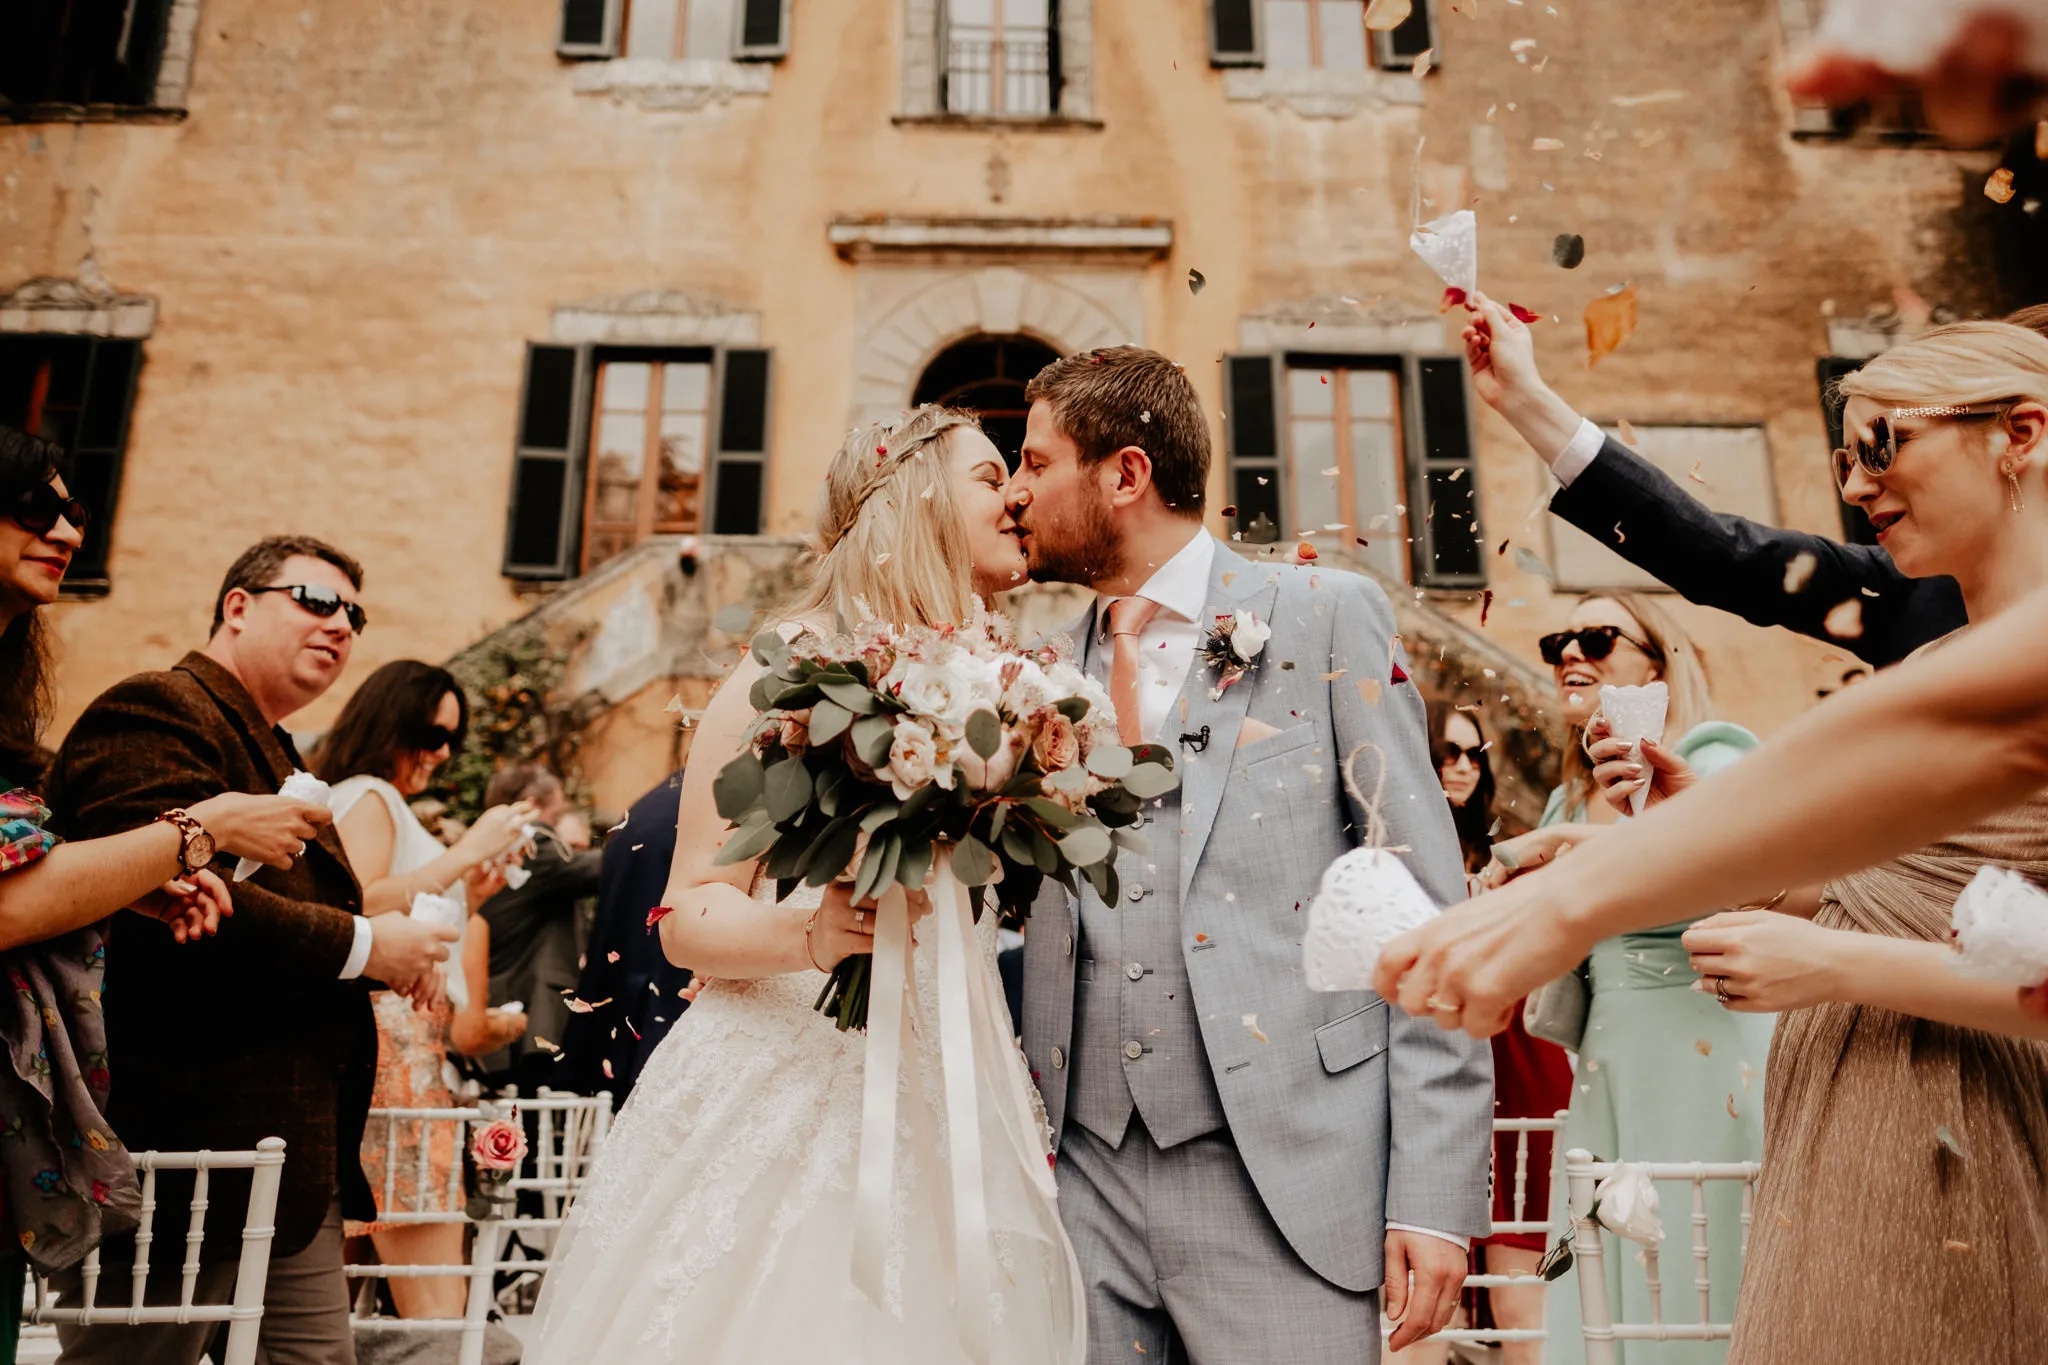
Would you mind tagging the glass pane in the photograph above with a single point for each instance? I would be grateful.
(621, 457)
(1311, 487)
(685, 387)
(1258, 505)
(1027, 14)
(1287, 46)
(977, 12)
(1342, 34)
(1309, 393)
(678, 502)
(625, 386)
(651, 29)
(1371, 393)
(1379, 492)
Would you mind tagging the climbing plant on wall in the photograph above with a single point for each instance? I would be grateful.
(520, 710)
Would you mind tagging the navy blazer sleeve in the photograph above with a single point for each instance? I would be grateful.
(1720, 560)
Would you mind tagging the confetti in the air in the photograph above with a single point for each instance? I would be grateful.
(1704, 1047)
(1998, 189)
(1845, 619)
(1546, 144)
(1628, 433)
(1694, 473)
(1196, 280)
(1610, 321)
(1384, 16)
(1422, 62)
(1568, 250)
(1251, 1024)
(1799, 571)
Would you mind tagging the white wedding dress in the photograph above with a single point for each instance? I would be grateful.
(718, 1224)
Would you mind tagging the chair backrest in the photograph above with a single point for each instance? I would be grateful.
(1525, 1219)
(570, 1129)
(1582, 1176)
(244, 1312)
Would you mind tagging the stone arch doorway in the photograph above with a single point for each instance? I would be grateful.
(986, 374)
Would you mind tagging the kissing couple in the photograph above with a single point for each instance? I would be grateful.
(1246, 1170)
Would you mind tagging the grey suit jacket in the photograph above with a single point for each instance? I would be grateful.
(1347, 1112)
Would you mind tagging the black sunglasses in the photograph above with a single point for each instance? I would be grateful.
(1454, 751)
(39, 509)
(321, 602)
(1877, 453)
(1595, 642)
(433, 737)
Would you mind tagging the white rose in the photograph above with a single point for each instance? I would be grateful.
(1028, 691)
(1065, 680)
(939, 692)
(913, 759)
(1248, 635)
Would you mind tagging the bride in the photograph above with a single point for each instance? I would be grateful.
(719, 1222)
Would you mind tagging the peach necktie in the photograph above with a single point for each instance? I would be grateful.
(1128, 617)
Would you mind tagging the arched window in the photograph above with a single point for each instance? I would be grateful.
(986, 375)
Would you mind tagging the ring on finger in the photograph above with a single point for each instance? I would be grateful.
(1436, 1006)
(1721, 989)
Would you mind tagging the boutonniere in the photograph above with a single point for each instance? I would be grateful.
(1233, 647)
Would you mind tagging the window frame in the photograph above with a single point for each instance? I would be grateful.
(997, 75)
(89, 580)
(647, 497)
(161, 77)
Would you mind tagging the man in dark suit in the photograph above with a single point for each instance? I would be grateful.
(1767, 575)
(266, 1029)
(604, 1050)
(534, 938)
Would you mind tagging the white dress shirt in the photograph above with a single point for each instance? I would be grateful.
(1578, 452)
(1166, 650)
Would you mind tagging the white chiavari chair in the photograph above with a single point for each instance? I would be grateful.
(568, 1130)
(1526, 1219)
(243, 1313)
(1589, 1250)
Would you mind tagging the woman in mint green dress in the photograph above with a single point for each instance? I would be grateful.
(1663, 1072)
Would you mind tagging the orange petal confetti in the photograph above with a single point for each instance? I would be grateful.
(1546, 144)
(1845, 619)
(1384, 16)
(1705, 1048)
(1628, 433)
(1369, 691)
(611, 957)
(1305, 551)
(1251, 1024)
(1799, 571)
(606, 1065)
(1951, 1244)
(1998, 189)
(1610, 321)
(1332, 677)
(1422, 62)
(1694, 473)
(1731, 1108)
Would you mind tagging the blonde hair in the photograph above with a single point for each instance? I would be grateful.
(1680, 666)
(1956, 365)
(890, 542)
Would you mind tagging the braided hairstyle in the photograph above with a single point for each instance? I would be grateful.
(890, 543)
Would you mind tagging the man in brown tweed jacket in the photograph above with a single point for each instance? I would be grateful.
(266, 1029)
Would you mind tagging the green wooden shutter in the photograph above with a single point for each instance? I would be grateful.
(1236, 33)
(1445, 480)
(739, 480)
(544, 523)
(589, 28)
(1251, 438)
(763, 31)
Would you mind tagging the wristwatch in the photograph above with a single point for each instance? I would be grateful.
(196, 850)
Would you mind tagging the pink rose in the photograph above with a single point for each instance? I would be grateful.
(796, 732)
(499, 1145)
(1056, 745)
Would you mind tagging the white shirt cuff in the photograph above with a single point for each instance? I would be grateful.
(1578, 453)
(1461, 1243)
(359, 955)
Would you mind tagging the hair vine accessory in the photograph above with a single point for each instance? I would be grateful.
(888, 458)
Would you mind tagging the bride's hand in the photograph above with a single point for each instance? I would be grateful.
(840, 929)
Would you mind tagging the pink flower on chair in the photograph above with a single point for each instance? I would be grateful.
(499, 1145)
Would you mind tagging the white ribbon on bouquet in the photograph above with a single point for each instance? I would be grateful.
(975, 1048)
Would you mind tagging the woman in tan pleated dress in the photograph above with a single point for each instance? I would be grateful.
(1903, 1215)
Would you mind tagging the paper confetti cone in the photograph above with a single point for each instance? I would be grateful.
(1635, 714)
(300, 786)
(1450, 247)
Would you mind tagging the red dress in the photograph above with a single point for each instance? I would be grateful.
(1532, 1079)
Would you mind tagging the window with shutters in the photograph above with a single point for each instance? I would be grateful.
(1369, 452)
(1313, 35)
(77, 391)
(617, 444)
(66, 59)
(673, 53)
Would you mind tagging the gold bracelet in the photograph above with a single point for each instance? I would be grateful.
(1771, 904)
(809, 956)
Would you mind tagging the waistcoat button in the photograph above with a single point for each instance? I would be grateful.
(1135, 971)
(1059, 1059)
(1134, 1050)
(1135, 894)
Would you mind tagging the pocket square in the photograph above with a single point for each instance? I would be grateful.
(1254, 731)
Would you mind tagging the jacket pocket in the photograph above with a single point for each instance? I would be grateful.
(1358, 1037)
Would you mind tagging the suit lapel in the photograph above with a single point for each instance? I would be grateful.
(1235, 584)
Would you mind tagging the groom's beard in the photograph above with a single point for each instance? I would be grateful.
(1083, 548)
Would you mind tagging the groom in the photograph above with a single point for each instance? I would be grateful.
(1243, 1162)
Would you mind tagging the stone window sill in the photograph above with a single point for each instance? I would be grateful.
(89, 113)
(1028, 123)
(1321, 94)
(684, 84)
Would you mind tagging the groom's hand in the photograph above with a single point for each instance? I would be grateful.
(1425, 1275)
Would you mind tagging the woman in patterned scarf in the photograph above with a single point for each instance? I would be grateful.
(65, 1180)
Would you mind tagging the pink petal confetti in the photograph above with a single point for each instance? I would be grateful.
(1523, 315)
(1845, 619)
(611, 957)
(658, 914)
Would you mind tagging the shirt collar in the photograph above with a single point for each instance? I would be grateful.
(1181, 585)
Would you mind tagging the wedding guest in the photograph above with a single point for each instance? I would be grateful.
(53, 899)
(1979, 68)
(534, 939)
(265, 1029)
(1894, 1087)
(605, 1050)
(1532, 1079)
(1768, 575)
(401, 725)
(1657, 1063)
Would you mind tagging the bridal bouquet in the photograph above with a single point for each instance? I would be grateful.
(887, 747)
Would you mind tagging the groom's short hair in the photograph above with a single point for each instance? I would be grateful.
(1104, 400)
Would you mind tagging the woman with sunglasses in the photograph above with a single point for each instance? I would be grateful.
(1664, 1074)
(403, 723)
(53, 897)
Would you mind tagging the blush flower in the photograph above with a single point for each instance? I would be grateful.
(499, 1145)
(914, 760)
(1056, 745)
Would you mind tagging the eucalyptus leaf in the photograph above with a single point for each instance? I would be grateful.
(995, 820)
(872, 736)
(796, 696)
(834, 849)
(828, 722)
(1017, 844)
(1073, 708)
(1109, 761)
(770, 649)
(787, 789)
(1131, 841)
(872, 865)
(973, 863)
(832, 783)
(1086, 844)
(738, 785)
(1045, 854)
(891, 860)
(750, 841)
(916, 863)
(879, 814)
(984, 733)
(1148, 780)
(848, 694)
(761, 696)
(1072, 781)
(1052, 812)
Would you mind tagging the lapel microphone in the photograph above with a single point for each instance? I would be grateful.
(1196, 741)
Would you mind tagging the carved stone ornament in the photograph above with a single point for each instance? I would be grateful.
(76, 308)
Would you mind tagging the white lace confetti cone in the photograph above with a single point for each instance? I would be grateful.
(1367, 899)
(1450, 246)
(1633, 715)
(445, 911)
(2000, 929)
(300, 786)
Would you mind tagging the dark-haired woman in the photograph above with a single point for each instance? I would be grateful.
(402, 724)
(64, 1177)
(1532, 1079)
